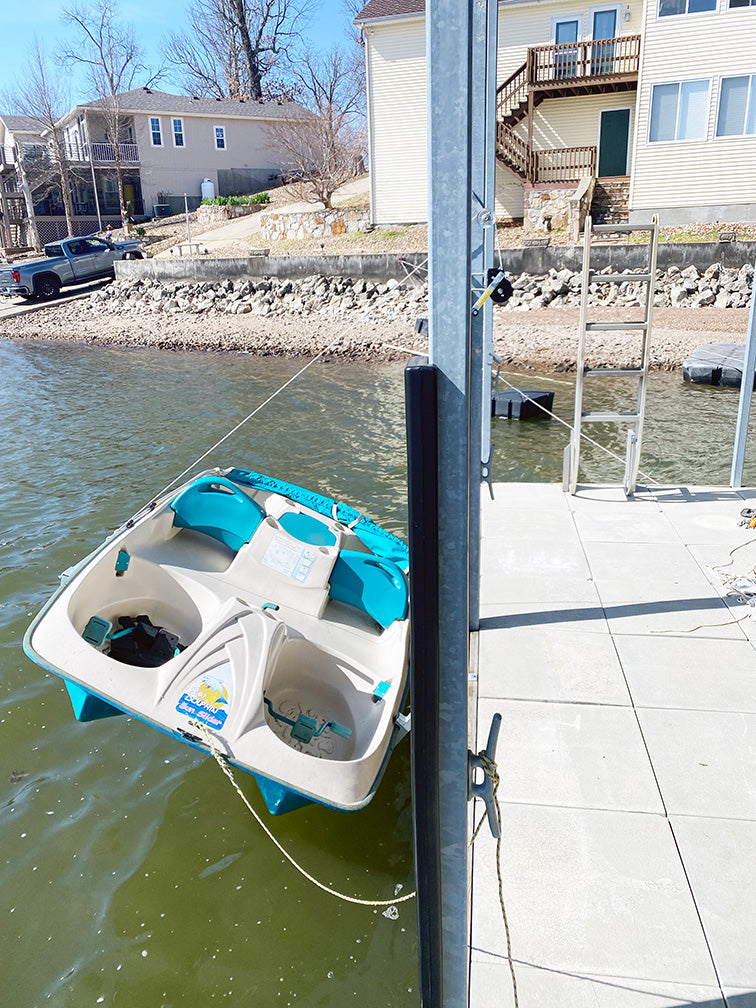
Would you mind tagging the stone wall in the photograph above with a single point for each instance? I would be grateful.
(313, 223)
(213, 214)
(547, 209)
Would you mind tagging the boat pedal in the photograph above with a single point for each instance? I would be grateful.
(122, 563)
(97, 630)
(304, 728)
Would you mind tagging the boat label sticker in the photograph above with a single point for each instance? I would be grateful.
(290, 558)
(207, 699)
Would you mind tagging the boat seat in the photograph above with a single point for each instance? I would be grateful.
(371, 584)
(217, 507)
(307, 529)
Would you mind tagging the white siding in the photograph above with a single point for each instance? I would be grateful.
(510, 194)
(398, 122)
(574, 122)
(712, 172)
(395, 57)
(524, 25)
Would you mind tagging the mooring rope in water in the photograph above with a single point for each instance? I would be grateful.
(223, 764)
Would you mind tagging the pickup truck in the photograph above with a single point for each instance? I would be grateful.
(70, 261)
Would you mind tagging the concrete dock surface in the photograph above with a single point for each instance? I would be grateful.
(626, 678)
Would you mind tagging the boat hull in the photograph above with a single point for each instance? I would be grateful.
(238, 610)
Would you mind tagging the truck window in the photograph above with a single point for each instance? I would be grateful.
(51, 251)
(77, 248)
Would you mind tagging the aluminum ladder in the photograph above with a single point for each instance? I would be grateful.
(635, 416)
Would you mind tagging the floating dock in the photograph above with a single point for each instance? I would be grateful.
(627, 753)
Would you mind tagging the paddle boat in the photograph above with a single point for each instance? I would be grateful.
(248, 615)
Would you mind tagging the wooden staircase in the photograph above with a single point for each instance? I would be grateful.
(598, 66)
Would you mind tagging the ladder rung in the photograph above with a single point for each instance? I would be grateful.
(595, 276)
(621, 228)
(609, 417)
(601, 372)
(611, 326)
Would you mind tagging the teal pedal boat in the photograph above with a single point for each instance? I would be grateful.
(250, 616)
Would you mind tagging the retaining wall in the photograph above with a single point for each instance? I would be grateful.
(383, 267)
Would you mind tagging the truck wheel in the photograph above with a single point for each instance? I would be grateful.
(133, 255)
(47, 287)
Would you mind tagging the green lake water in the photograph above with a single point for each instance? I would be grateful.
(131, 874)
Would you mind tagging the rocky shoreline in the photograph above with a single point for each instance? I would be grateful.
(360, 319)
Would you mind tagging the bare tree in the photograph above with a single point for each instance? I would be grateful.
(113, 60)
(232, 48)
(43, 97)
(325, 148)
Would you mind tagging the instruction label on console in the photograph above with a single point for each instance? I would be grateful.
(289, 558)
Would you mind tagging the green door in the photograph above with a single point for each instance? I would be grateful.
(613, 142)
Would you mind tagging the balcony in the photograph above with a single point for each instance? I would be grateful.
(7, 159)
(597, 66)
(103, 153)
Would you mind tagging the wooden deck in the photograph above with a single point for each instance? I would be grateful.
(627, 684)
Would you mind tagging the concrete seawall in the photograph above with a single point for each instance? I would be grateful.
(388, 266)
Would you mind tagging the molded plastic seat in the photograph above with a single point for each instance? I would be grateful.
(307, 529)
(218, 508)
(374, 585)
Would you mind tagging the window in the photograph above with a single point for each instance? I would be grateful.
(679, 111)
(220, 137)
(737, 106)
(742, 3)
(667, 7)
(157, 139)
(178, 132)
(566, 56)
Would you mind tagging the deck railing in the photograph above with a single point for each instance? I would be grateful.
(591, 62)
(514, 150)
(562, 164)
(103, 152)
(513, 92)
(580, 61)
(565, 164)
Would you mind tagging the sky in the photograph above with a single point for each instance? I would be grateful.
(153, 21)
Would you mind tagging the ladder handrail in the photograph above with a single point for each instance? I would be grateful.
(635, 433)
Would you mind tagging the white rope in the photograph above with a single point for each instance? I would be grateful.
(249, 416)
(540, 378)
(262, 405)
(570, 428)
(223, 764)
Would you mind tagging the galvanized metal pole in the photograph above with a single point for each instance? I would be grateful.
(746, 392)
(448, 47)
(485, 39)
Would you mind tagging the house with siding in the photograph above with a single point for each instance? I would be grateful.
(610, 92)
(21, 143)
(168, 145)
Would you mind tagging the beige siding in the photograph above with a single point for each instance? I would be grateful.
(178, 170)
(398, 125)
(694, 173)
